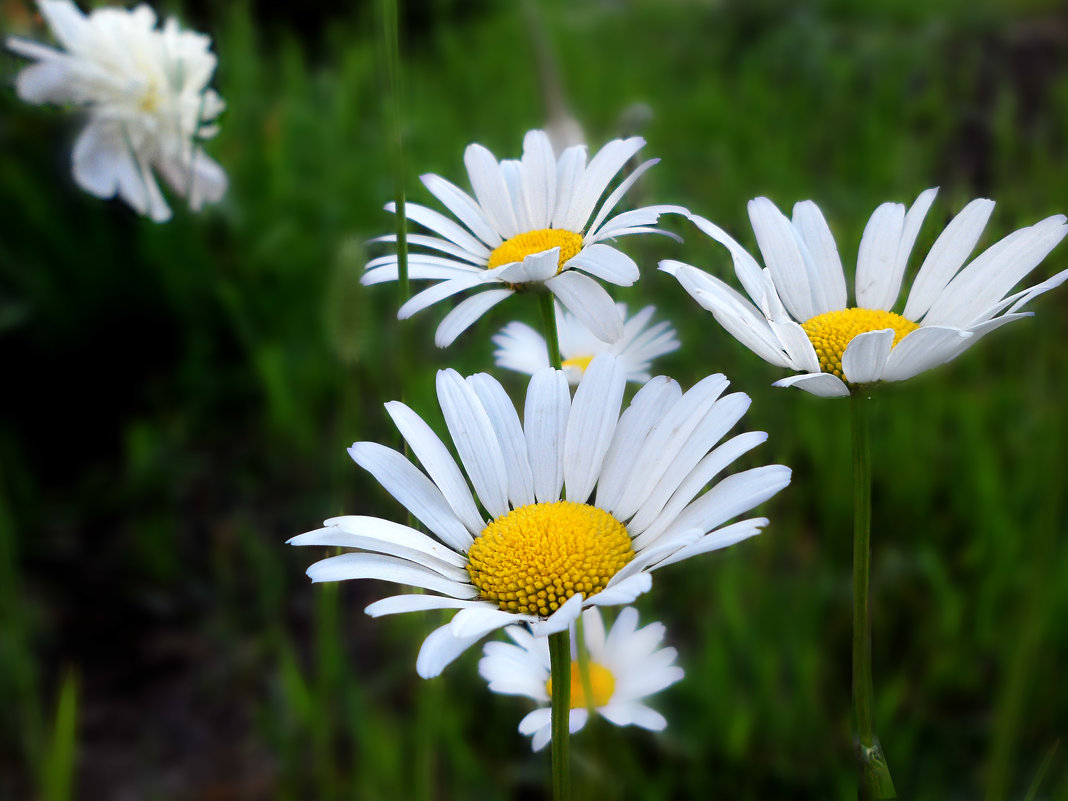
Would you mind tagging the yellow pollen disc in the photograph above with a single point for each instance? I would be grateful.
(832, 331)
(522, 245)
(602, 685)
(534, 558)
(581, 362)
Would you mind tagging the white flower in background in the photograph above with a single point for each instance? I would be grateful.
(802, 319)
(583, 503)
(145, 92)
(528, 224)
(521, 348)
(624, 667)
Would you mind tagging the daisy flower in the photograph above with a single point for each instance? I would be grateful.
(527, 225)
(802, 319)
(521, 348)
(625, 667)
(145, 92)
(580, 503)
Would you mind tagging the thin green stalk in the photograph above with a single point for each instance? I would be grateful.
(552, 339)
(560, 676)
(394, 137)
(874, 775)
(584, 663)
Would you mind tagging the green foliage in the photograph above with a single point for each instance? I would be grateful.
(179, 398)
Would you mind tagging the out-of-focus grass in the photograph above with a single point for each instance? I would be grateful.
(179, 398)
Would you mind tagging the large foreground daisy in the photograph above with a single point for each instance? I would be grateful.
(802, 319)
(625, 667)
(527, 225)
(145, 91)
(578, 503)
(521, 348)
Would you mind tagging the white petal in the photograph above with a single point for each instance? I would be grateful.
(466, 313)
(439, 650)
(417, 493)
(590, 426)
(825, 385)
(539, 178)
(490, 189)
(440, 224)
(778, 243)
(910, 229)
(865, 356)
(400, 604)
(731, 497)
(923, 349)
(593, 631)
(606, 263)
(825, 269)
(569, 170)
(352, 531)
(617, 195)
(387, 568)
(947, 255)
(535, 268)
(535, 721)
(475, 440)
(624, 591)
(633, 714)
(720, 538)
(509, 432)
(545, 415)
(560, 619)
(477, 621)
(587, 300)
(877, 283)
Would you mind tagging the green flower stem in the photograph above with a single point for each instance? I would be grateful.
(874, 776)
(584, 663)
(552, 339)
(394, 138)
(560, 667)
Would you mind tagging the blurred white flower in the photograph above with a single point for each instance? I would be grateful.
(521, 348)
(145, 91)
(625, 667)
(528, 225)
(801, 319)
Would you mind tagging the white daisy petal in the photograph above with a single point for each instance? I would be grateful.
(778, 242)
(825, 385)
(569, 170)
(624, 591)
(606, 263)
(923, 349)
(478, 621)
(509, 433)
(343, 531)
(475, 439)
(587, 300)
(877, 284)
(387, 568)
(826, 276)
(603, 167)
(548, 407)
(591, 424)
(539, 171)
(865, 357)
(466, 314)
(914, 218)
(439, 650)
(401, 604)
(720, 538)
(442, 225)
(490, 189)
(463, 206)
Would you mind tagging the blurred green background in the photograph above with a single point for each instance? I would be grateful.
(177, 400)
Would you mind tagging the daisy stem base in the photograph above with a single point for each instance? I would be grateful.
(560, 667)
(874, 774)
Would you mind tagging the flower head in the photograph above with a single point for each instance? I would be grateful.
(802, 319)
(521, 348)
(527, 225)
(624, 667)
(145, 91)
(580, 503)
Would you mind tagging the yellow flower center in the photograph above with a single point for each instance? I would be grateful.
(831, 332)
(579, 362)
(522, 245)
(602, 685)
(536, 557)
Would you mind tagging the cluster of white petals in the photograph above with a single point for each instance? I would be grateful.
(647, 468)
(949, 308)
(521, 348)
(145, 90)
(630, 657)
(539, 195)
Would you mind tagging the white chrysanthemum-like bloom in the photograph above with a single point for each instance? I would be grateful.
(802, 319)
(580, 503)
(521, 348)
(624, 667)
(145, 91)
(528, 224)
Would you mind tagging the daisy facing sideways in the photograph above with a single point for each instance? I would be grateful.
(145, 91)
(527, 225)
(625, 666)
(580, 503)
(802, 319)
(521, 348)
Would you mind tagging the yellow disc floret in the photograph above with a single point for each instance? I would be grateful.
(831, 332)
(522, 245)
(602, 685)
(535, 557)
